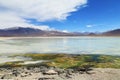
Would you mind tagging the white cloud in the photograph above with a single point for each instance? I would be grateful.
(14, 12)
(65, 31)
(8, 20)
(89, 25)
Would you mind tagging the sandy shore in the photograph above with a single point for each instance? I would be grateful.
(37, 74)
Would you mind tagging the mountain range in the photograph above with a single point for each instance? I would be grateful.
(115, 32)
(21, 32)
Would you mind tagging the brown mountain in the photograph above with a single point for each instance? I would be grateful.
(115, 32)
(21, 32)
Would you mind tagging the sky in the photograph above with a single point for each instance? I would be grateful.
(62, 15)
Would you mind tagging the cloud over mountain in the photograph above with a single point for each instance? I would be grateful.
(18, 12)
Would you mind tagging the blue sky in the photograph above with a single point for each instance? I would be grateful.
(91, 16)
(98, 15)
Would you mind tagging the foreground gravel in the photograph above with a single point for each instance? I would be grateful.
(37, 74)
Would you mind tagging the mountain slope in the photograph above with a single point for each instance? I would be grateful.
(20, 31)
(115, 32)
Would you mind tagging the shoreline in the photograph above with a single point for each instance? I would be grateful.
(68, 68)
(12, 37)
(59, 60)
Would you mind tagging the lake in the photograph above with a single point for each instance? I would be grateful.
(70, 45)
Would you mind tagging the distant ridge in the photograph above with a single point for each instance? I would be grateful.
(115, 32)
(27, 31)
(21, 31)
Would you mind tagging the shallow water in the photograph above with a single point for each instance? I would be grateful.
(4, 59)
(74, 45)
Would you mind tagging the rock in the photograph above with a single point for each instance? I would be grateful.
(69, 71)
(7, 76)
(46, 78)
(36, 70)
(68, 76)
(15, 73)
(50, 72)
(1, 75)
(59, 71)
(43, 70)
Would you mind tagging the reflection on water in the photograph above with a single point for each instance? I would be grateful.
(4, 59)
(76, 45)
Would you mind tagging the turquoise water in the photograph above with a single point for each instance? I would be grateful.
(74, 45)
